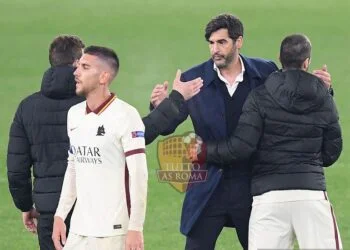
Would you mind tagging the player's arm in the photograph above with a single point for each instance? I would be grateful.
(243, 142)
(69, 192)
(133, 143)
(332, 138)
(65, 204)
(67, 199)
(187, 88)
(171, 111)
(183, 114)
(161, 118)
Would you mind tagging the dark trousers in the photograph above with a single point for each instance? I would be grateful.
(230, 205)
(45, 227)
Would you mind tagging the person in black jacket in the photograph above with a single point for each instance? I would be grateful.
(38, 136)
(38, 139)
(290, 129)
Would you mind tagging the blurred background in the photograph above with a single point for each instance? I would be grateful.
(153, 38)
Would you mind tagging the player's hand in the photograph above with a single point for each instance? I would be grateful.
(187, 89)
(30, 220)
(59, 233)
(159, 93)
(324, 75)
(134, 240)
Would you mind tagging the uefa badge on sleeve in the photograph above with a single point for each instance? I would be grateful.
(137, 134)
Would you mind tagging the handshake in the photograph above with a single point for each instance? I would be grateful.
(186, 89)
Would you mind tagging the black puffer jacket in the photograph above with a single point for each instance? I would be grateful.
(159, 120)
(291, 125)
(38, 138)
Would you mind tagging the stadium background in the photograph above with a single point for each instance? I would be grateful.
(153, 38)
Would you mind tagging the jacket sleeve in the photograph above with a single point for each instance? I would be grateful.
(332, 139)
(245, 139)
(163, 117)
(19, 164)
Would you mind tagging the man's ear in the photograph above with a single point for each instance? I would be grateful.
(105, 78)
(306, 64)
(239, 42)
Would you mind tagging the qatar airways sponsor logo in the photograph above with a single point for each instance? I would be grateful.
(86, 154)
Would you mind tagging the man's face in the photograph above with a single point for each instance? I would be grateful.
(87, 75)
(223, 49)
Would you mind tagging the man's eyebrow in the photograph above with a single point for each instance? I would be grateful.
(219, 40)
(83, 64)
(222, 40)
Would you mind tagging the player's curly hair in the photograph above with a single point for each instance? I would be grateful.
(65, 50)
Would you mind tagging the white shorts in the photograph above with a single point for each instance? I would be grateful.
(78, 242)
(275, 225)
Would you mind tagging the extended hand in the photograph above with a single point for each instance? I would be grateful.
(159, 93)
(187, 89)
(324, 75)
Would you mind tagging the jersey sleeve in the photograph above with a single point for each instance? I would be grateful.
(68, 193)
(133, 142)
(133, 137)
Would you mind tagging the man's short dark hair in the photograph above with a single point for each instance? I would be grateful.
(65, 50)
(105, 54)
(230, 22)
(295, 49)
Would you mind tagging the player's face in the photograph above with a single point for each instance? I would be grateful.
(223, 49)
(87, 75)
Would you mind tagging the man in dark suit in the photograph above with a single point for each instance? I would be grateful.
(224, 199)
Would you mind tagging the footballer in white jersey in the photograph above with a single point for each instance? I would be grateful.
(106, 176)
(101, 143)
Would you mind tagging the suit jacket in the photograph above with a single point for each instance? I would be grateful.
(207, 112)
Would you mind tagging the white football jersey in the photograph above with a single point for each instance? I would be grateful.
(107, 171)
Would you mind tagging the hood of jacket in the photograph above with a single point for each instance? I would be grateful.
(58, 82)
(296, 91)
